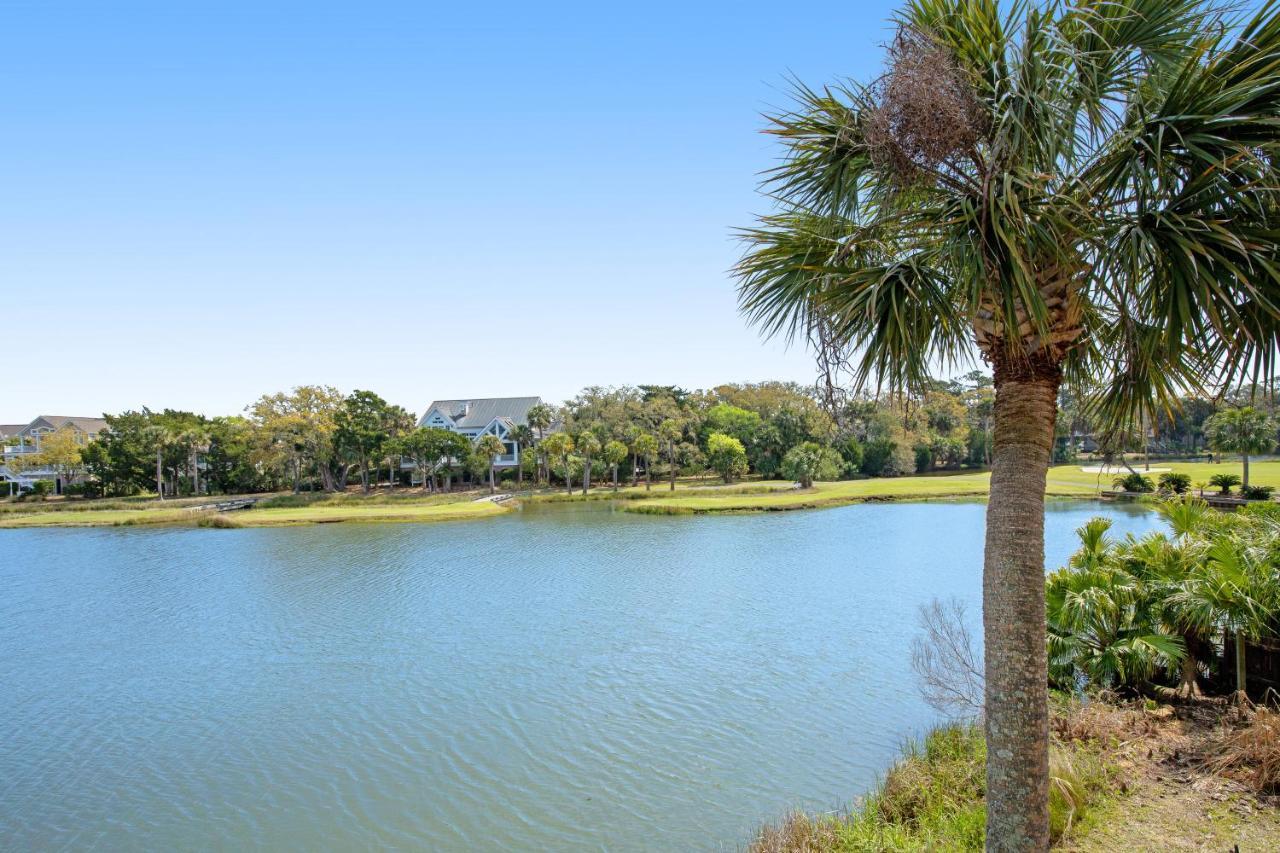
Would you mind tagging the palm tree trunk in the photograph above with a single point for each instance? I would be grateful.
(1244, 457)
(1013, 608)
(568, 477)
(159, 476)
(672, 460)
(491, 467)
(1241, 677)
(615, 478)
(586, 474)
(1189, 668)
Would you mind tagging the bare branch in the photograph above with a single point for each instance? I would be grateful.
(950, 673)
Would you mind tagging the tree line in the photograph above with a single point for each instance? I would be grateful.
(316, 438)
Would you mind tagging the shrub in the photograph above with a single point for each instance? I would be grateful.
(1224, 482)
(218, 521)
(1134, 482)
(1172, 481)
(810, 461)
(850, 449)
(1258, 493)
(726, 456)
(39, 490)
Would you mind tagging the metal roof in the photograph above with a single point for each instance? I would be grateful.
(479, 413)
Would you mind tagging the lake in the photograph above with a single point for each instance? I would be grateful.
(560, 678)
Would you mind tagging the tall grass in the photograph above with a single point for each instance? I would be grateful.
(933, 799)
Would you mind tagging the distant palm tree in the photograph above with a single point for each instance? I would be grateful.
(646, 447)
(1081, 189)
(492, 447)
(588, 446)
(540, 417)
(559, 445)
(671, 432)
(159, 438)
(522, 435)
(1246, 431)
(614, 454)
(196, 440)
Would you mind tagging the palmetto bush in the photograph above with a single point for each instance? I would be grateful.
(1224, 483)
(1134, 483)
(1123, 613)
(1103, 618)
(1174, 482)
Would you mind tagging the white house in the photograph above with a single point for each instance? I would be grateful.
(17, 440)
(473, 418)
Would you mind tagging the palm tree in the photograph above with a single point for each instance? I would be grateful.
(540, 417)
(1079, 189)
(492, 447)
(159, 438)
(559, 445)
(646, 447)
(522, 435)
(196, 440)
(671, 432)
(614, 454)
(588, 446)
(1246, 431)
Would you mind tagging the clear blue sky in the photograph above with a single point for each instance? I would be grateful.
(204, 202)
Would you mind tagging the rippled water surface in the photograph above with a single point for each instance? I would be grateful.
(563, 679)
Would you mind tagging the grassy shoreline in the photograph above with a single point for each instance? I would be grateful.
(689, 498)
(272, 511)
(1127, 776)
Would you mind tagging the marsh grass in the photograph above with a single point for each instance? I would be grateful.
(932, 799)
(218, 521)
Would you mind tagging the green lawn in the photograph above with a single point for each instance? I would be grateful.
(691, 496)
(1063, 481)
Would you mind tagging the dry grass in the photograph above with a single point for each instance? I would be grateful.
(1104, 722)
(798, 833)
(1249, 750)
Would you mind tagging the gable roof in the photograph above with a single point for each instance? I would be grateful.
(479, 413)
(7, 430)
(87, 425)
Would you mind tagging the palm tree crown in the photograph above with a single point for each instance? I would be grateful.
(1087, 187)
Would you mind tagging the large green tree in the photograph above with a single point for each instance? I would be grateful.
(1083, 189)
(363, 425)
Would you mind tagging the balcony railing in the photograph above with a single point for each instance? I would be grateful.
(18, 449)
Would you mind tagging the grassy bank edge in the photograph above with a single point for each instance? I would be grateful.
(932, 799)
